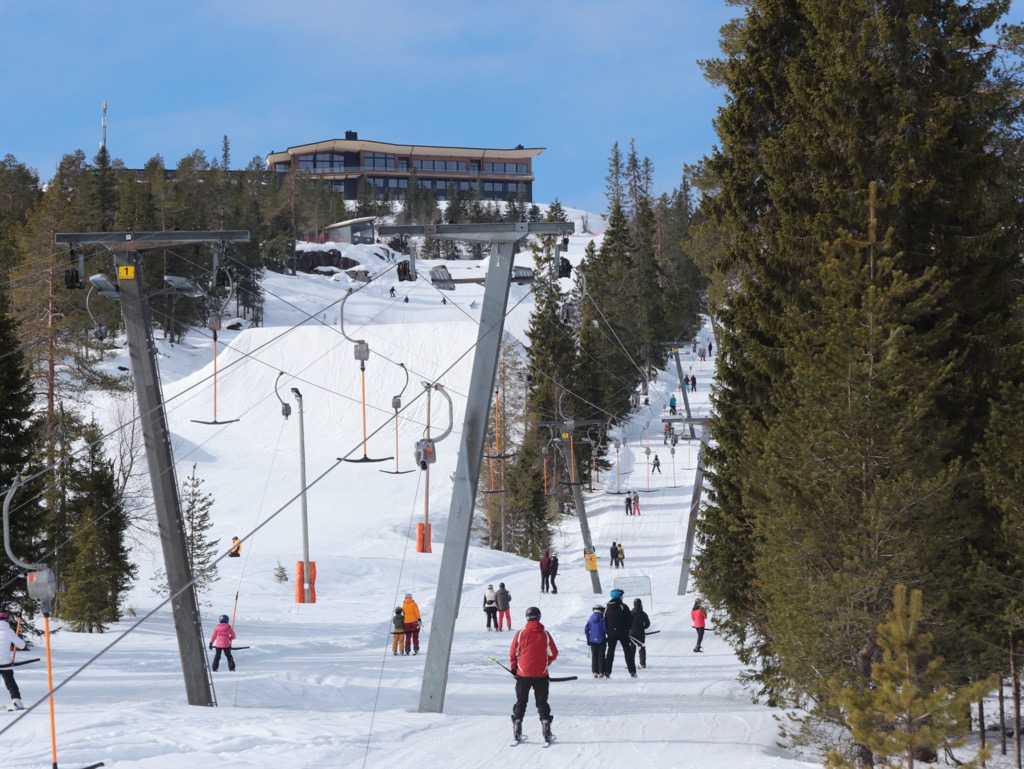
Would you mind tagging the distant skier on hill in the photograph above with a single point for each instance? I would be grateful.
(553, 572)
(700, 618)
(545, 572)
(397, 631)
(503, 598)
(491, 608)
(412, 624)
(615, 548)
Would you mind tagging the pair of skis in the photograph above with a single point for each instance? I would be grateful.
(548, 736)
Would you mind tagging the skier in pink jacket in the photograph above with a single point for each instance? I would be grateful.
(221, 640)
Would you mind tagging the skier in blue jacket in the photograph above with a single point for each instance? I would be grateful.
(596, 631)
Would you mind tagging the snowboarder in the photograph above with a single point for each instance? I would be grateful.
(503, 598)
(656, 465)
(392, 292)
(620, 556)
(491, 608)
(236, 548)
(638, 630)
(545, 572)
(615, 556)
(397, 630)
(553, 572)
(221, 640)
(671, 407)
(412, 624)
(700, 618)
(619, 620)
(596, 633)
(532, 651)
(7, 638)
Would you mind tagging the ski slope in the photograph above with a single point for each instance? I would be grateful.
(319, 686)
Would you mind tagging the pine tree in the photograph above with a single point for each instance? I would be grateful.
(910, 708)
(101, 571)
(200, 548)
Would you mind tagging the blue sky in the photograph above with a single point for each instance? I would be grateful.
(570, 76)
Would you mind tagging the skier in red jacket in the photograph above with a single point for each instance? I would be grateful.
(532, 651)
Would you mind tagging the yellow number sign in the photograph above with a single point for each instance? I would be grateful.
(126, 272)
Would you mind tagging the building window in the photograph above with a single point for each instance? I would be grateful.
(379, 161)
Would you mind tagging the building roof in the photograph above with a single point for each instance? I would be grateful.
(357, 145)
(349, 222)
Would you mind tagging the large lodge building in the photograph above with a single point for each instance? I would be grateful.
(496, 174)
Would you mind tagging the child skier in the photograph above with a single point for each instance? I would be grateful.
(221, 640)
(596, 632)
(397, 631)
(638, 630)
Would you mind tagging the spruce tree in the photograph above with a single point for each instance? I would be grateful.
(199, 547)
(18, 437)
(100, 572)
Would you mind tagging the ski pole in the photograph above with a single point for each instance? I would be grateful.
(561, 678)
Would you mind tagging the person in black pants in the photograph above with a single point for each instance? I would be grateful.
(638, 630)
(553, 572)
(615, 553)
(619, 620)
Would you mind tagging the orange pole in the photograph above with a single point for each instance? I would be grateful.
(49, 682)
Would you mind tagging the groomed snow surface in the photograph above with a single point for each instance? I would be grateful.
(319, 686)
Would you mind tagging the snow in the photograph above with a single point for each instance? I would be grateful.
(319, 686)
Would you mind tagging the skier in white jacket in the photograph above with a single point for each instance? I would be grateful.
(8, 637)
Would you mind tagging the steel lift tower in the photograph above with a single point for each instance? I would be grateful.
(126, 248)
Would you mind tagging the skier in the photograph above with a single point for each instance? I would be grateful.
(709, 349)
(412, 624)
(693, 383)
(503, 598)
(619, 620)
(629, 503)
(638, 630)
(545, 572)
(620, 556)
(221, 640)
(532, 651)
(236, 548)
(615, 556)
(7, 638)
(671, 407)
(553, 572)
(491, 608)
(665, 431)
(636, 503)
(596, 633)
(700, 618)
(656, 465)
(392, 292)
(397, 630)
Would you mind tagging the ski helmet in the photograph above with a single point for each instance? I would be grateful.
(224, 618)
(616, 593)
(408, 595)
(599, 608)
(532, 614)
